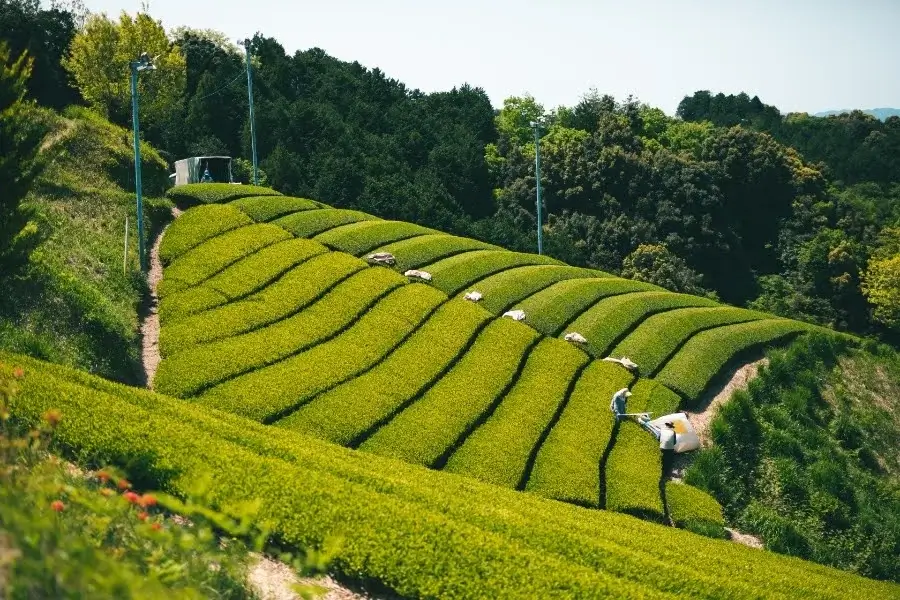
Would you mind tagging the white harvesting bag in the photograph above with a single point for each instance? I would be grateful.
(576, 337)
(424, 275)
(382, 258)
(624, 361)
(473, 296)
(515, 315)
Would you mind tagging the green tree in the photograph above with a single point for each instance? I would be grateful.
(655, 264)
(881, 280)
(99, 62)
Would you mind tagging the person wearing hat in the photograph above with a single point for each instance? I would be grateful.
(619, 399)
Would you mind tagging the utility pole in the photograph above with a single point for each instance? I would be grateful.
(246, 44)
(537, 176)
(141, 64)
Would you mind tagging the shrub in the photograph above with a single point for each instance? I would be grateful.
(351, 410)
(187, 373)
(436, 422)
(214, 255)
(503, 290)
(425, 249)
(270, 393)
(309, 223)
(280, 299)
(359, 238)
(612, 318)
(245, 277)
(499, 451)
(657, 338)
(694, 510)
(453, 274)
(266, 208)
(567, 465)
(214, 193)
(196, 226)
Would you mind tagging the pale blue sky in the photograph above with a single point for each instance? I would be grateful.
(799, 55)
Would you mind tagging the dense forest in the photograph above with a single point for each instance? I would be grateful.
(792, 214)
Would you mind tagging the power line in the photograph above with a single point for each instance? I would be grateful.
(238, 76)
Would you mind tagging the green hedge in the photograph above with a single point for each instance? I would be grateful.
(705, 355)
(350, 410)
(695, 510)
(196, 226)
(499, 451)
(550, 310)
(503, 290)
(247, 276)
(434, 423)
(425, 249)
(214, 255)
(272, 392)
(360, 238)
(655, 340)
(567, 466)
(266, 208)
(215, 193)
(187, 373)
(286, 296)
(309, 223)
(453, 274)
(610, 319)
(634, 465)
(533, 546)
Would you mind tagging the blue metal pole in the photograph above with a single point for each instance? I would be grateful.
(137, 165)
(537, 175)
(252, 124)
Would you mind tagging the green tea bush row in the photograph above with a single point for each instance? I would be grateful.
(430, 427)
(498, 452)
(567, 466)
(346, 412)
(377, 505)
(286, 296)
(656, 339)
(214, 193)
(503, 290)
(196, 226)
(695, 510)
(202, 262)
(263, 209)
(187, 373)
(309, 223)
(705, 355)
(426, 249)
(359, 238)
(270, 393)
(453, 274)
(247, 276)
(611, 318)
(550, 310)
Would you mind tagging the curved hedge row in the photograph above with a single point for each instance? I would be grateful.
(198, 225)
(286, 296)
(248, 275)
(187, 373)
(266, 208)
(361, 237)
(269, 393)
(499, 451)
(453, 274)
(694, 510)
(309, 223)
(535, 547)
(431, 426)
(705, 355)
(348, 411)
(215, 193)
(567, 466)
(656, 339)
(610, 319)
(422, 250)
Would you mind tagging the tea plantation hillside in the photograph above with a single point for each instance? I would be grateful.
(417, 532)
(270, 311)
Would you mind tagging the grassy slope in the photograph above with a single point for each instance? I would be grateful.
(73, 304)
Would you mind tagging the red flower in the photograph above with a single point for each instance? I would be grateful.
(143, 515)
(103, 476)
(18, 373)
(57, 505)
(148, 500)
(155, 526)
(124, 484)
(131, 497)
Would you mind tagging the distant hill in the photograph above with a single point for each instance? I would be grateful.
(881, 114)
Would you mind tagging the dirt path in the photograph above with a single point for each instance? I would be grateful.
(150, 326)
(272, 580)
(712, 400)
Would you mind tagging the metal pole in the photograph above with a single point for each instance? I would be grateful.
(537, 176)
(125, 254)
(252, 124)
(137, 165)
